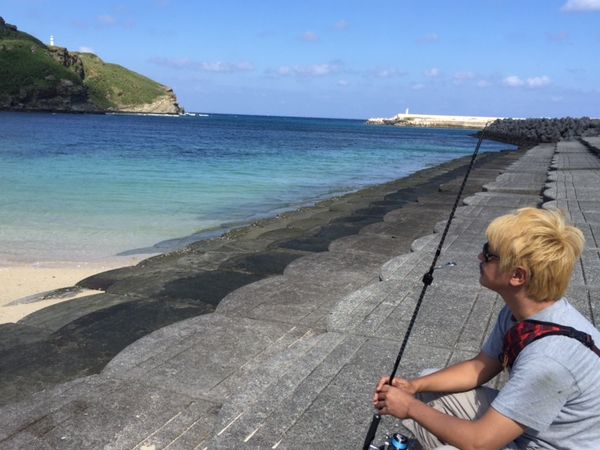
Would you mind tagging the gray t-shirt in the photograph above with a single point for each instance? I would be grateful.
(554, 385)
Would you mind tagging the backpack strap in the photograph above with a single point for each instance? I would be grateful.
(527, 331)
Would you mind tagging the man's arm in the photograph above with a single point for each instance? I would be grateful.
(492, 431)
(460, 377)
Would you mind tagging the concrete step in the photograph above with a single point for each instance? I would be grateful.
(566, 184)
(291, 300)
(180, 357)
(363, 312)
(572, 146)
(353, 269)
(509, 200)
(515, 182)
(535, 159)
(170, 367)
(577, 211)
(262, 415)
(386, 246)
(57, 316)
(593, 142)
(575, 161)
(100, 412)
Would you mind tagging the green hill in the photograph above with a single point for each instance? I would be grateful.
(36, 77)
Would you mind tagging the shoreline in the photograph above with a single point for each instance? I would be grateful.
(27, 288)
(97, 113)
(76, 338)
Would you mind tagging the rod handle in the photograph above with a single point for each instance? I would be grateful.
(372, 431)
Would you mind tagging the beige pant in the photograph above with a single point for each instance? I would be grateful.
(465, 405)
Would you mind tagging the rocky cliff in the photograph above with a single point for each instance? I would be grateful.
(36, 77)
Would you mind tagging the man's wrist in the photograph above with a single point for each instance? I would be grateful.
(418, 385)
(412, 405)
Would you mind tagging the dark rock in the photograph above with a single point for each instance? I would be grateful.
(305, 244)
(267, 263)
(84, 346)
(104, 280)
(530, 131)
(67, 59)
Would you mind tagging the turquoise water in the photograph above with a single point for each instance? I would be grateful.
(87, 187)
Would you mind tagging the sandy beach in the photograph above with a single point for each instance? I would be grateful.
(25, 289)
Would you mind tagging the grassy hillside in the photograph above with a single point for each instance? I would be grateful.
(7, 33)
(113, 86)
(26, 65)
(34, 77)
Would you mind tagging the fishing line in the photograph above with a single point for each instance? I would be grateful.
(427, 280)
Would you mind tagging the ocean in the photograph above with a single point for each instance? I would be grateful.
(90, 187)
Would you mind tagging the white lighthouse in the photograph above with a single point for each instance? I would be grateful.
(51, 40)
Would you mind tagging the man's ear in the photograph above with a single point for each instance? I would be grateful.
(519, 277)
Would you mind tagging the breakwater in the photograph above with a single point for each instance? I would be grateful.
(529, 131)
(433, 121)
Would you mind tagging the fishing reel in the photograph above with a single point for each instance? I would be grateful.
(396, 441)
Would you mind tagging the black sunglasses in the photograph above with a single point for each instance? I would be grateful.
(487, 255)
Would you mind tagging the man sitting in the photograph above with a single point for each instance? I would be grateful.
(552, 397)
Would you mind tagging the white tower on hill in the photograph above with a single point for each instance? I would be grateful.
(51, 40)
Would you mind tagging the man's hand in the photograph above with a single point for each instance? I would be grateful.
(406, 385)
(393, 400)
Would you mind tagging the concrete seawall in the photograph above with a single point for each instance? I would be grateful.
(290, 361)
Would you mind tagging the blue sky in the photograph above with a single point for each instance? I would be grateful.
(350, 59)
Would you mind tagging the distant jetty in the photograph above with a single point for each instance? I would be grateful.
(434, 121)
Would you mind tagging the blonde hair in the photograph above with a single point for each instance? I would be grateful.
(543, 243)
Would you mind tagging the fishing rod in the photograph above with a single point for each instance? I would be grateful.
(427, 280)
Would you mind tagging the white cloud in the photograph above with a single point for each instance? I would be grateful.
(461, 77)
(483, 83)
(342, 24)
(417, 87)
(204, 66)
(343, 83)
(558, 38)
(86, 50)
(536, 82)
(310, 36)
(106, 20)
(109, 21)
(532, 82)
(429, 38)
(386, 73)
(225, 67)
(432, 73)
(315, 70)
(581, 5)
(513, 81)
